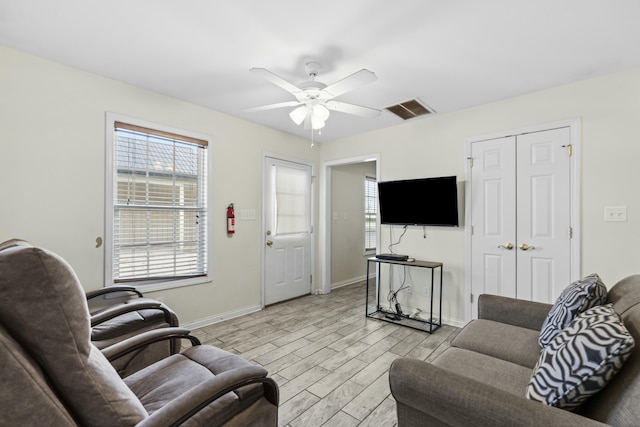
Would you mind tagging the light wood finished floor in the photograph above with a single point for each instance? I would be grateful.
(330, 362)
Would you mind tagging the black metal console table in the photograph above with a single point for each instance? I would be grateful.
(427, 325)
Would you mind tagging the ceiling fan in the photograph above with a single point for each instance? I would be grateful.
(314, 99)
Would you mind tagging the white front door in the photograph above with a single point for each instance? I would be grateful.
(287, 236)
(521, 216)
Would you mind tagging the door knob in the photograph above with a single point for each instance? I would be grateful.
(508, 246)
(269, 243)
(526, 247)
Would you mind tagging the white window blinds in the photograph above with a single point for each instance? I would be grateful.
(370, 213)
(291, 190)
(160, 205)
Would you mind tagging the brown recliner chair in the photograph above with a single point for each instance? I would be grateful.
(121, 312)
(53, 375)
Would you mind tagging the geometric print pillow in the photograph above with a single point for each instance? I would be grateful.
(582, 359)
(576, 298)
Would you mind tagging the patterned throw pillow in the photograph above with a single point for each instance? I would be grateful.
(581, 359)
(576, 298)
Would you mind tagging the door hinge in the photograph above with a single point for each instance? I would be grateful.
(313, 179)
(311, 278)
(472, 230)
(570, 232)
(471, 298)
(470, 161)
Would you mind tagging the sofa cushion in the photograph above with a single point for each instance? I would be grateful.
(581, 359)
(507, 342)
(501, 374)
(576, 298)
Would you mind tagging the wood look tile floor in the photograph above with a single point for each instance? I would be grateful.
(331, 363)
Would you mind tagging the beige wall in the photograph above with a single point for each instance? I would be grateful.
(53, 174)
(52, 155)
(608, 107)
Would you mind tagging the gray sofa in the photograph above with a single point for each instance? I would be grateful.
(481, 379)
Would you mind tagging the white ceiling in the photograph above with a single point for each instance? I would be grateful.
(450, 54)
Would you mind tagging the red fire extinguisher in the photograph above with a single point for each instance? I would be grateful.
(231, 219)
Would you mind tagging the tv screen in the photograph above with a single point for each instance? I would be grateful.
(426, 201)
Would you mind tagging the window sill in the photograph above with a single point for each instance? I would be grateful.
(150, 286)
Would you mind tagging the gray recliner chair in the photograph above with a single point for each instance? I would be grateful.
(52, 374)
(121, 312)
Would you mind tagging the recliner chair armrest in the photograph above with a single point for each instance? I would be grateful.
(124, 347)
(110, 312)
(517, 312)
(180, 410)
(455, 400)
(112, 289)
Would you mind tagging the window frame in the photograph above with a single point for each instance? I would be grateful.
(373, 181)
(149, 285)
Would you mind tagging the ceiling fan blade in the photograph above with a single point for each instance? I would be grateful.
(268, 75)
(357, 110)
(355, 80)
(272, 106)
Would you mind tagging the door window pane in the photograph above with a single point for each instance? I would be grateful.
(292, 192)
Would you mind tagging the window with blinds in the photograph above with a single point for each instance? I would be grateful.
(159, 193)
(291, 200)
(370, 213)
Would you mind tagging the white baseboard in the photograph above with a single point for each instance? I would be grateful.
(221, 317)
(351, 281)
(453, 322)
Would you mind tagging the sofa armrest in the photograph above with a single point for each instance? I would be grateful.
(517, 312)
(178, 411)
(426, 392)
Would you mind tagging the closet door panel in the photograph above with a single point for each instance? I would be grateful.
(493, 218)
(543, 214)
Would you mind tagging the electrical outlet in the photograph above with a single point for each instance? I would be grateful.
(426, 291)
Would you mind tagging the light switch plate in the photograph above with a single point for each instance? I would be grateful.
(615, 213)
(248, 214)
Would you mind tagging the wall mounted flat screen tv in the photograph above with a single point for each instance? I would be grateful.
(425, 201)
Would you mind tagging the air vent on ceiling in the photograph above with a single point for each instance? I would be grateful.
(409, 109)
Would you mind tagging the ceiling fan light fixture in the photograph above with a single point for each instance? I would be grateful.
(298, 114)
(320, 112)
(317, 115)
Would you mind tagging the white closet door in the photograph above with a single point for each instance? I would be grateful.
(521, 216)
(493, 192)
(544, 216)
